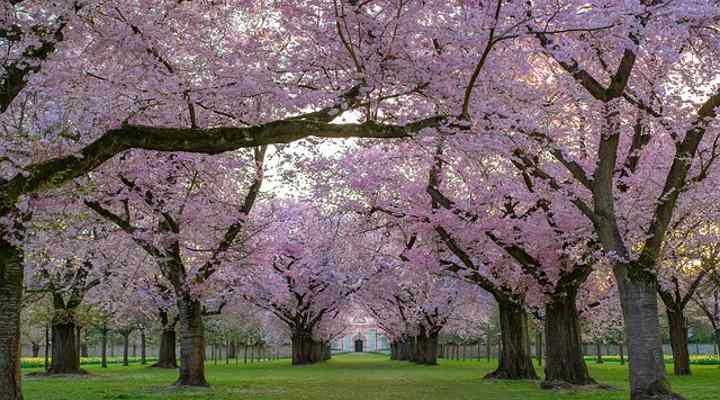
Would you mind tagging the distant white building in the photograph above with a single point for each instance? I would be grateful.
(362, 336)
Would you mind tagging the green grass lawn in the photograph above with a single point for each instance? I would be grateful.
(346, 377)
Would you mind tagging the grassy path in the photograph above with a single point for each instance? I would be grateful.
(346, 377)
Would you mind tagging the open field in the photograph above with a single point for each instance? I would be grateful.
(346, 377)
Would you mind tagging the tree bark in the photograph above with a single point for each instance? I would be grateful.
(143, 347)
(638, 296)
(598, 353)
(104, 347)
(11, 285)
(192, 342)
(515, 359)
(564, 361)
(305, 350)
(126, 348)
(426, 349)
(35, 349)
(166, 355)
(231, 350)
(679, 341)
(65, 353)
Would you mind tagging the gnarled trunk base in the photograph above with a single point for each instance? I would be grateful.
(166, 356)
(679, 342)
(426, 349)
(11, 284)
(192, 343)
(563, 344)
(305, 350)
(642, 332)
(65, 351)
(515, 359)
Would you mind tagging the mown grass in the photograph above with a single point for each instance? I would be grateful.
(346, 377)
(695, 359)
(39, 362)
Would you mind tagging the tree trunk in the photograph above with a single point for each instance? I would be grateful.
(304, 349)
(166, 355)
(78, 342)
(638, 296)
(104, 347)
(47, 347)
(564, 361)
(679, 341)
(11, 285)
(143, 347)
(427, 349)
(515, 359)
(598, 353)
(231, 350)
(35, 349)
(192, 342)
(65, 353)
(621, 350)
(126, 348)
(539, 348)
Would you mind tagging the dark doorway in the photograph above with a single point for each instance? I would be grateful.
(358, 346)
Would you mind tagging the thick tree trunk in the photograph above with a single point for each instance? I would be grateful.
(11, 284)
(515, 359)
(305, 350)
(192, 342)
(648, 378)
(65, 352)
(564, 361)
(679, 341)
(426, 349)
(143, 347)
(126, 348)
(231, 350)
(35, 349)
(404, 349)
(166, 355)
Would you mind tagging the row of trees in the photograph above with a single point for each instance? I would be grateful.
(553, 143)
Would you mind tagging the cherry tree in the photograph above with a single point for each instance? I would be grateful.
(162, 212)
(69, 259)
(303, 273)
(593, 99)
(91, 80)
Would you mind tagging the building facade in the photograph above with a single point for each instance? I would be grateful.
(361, 336)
